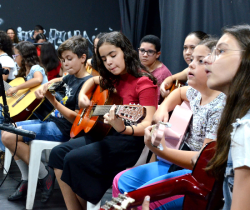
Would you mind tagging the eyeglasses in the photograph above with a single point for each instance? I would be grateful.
(14, 56)
(149, 52)
(217, 52)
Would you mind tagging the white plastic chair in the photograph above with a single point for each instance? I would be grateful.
(142, 160)
(36, 148)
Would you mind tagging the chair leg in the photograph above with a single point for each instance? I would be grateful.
(7, 160)
(91, 206)
(34, 165)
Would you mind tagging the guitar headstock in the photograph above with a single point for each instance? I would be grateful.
(132, 114)
(119, 203)
(56, 87)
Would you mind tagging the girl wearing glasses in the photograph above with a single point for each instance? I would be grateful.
(227, 70)
(206, 106)
(192, 39)
(149, 53)
(28, 61)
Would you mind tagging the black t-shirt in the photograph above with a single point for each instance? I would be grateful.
(70, 101)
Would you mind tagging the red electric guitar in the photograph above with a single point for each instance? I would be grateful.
(90, 119)
(201, 190)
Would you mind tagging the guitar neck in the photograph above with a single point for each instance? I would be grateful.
(101, 110)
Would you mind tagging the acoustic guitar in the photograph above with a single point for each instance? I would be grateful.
(174, 130)
(91, 119)
(176, 84)
(24, 104)
(201, 190)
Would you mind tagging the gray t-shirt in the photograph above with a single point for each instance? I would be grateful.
(205, 121)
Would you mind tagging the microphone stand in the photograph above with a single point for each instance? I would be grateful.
(7, 125)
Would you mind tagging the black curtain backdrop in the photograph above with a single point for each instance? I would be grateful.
(61, 19)
(179, 17)
(139, 18)
(134, 15)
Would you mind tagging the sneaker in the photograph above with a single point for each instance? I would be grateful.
(47, 185)
(20, 192)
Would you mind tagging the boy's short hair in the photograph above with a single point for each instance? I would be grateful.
(153, 40)
(38, 27)
(77, 44)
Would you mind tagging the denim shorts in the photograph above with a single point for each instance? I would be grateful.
(45, 130)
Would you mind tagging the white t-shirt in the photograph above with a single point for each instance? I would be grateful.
(7, 61)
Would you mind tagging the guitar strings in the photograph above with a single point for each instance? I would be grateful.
(8, 86)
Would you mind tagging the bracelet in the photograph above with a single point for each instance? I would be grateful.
(132, 130)
(123, 130)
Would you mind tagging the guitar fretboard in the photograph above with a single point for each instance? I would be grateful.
(102, 110)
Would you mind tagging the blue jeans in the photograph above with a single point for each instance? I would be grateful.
(45, 130)
(150, 173)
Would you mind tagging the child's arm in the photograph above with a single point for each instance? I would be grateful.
(41, 91)
(87, 88)
(66, 112)
(36, 80)
(168, 82)
(179, 157)
(241, 189)
(136, 130)
(169, 103)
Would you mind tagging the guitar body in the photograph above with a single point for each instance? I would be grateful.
(176, 85)
(43, 110)
(24, 104)
(201, 190)
(86, 122)
(213, 200)
(22, 110)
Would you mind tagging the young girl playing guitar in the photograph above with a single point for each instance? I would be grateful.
(227, 70)
(206, 106)
(85, 167)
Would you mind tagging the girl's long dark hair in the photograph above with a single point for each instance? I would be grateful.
(16, 40)
(132, 63)
(49, 57)
(29, 56)
(237, 103)
(6, 43)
